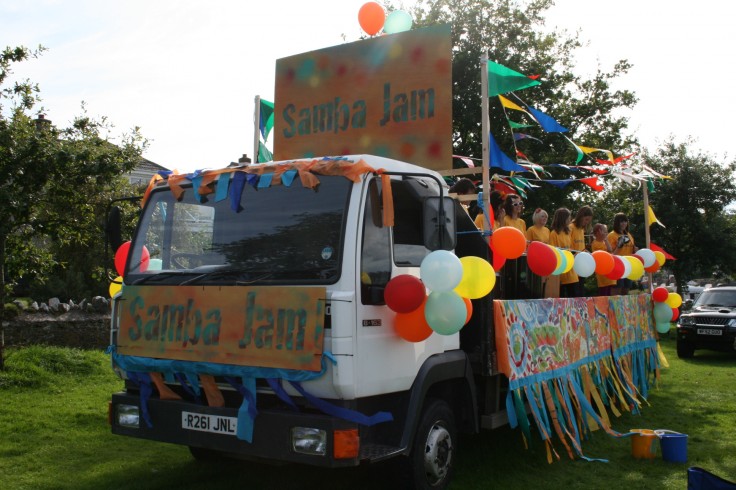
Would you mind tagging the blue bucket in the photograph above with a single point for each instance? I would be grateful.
(673, 445)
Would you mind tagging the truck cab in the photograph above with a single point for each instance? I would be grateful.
(207, 366)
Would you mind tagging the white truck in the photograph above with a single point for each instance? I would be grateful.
(220, 350)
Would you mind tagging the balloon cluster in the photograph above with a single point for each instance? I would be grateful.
(373, 18)
(452, 282)
(121, 255)
(666, 306)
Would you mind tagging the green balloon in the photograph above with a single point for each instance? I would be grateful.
(397, 21)
(445, 312)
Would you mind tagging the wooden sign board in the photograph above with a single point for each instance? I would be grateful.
(389, 96)
(276, 327)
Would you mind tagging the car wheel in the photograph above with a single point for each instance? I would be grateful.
(685, 350)
(432, 458)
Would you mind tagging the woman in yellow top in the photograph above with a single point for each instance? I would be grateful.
(513, 207)
(496, 201)
(538, 232)
(578, 227)
(622, 243)
(560, 237)
(600, 242)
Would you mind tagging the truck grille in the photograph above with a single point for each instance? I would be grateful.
(711, 320)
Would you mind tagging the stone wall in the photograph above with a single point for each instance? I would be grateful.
(61, 325)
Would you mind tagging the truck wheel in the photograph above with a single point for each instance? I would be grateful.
(431, 460)
(685, 350)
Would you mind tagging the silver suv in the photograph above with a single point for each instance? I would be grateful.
(710, 324)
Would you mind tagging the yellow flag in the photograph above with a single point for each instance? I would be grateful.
(508, 104)
(653, 218)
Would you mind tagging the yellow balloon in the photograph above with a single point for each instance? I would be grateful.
(570, 260)
(478, 278)
(558, 254)
(660, 257)
(673, 300)
(637, 268)
(115, 286)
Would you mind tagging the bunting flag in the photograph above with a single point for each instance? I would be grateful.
(265, 124)
(652, 218)
(515, 125)
(502, 79)
(264, 154)
(593, 183)
(500, 160)
(547, 122)
(511, 105)
(522, 136)
(581, 155)
(588, 150)
(657, 248)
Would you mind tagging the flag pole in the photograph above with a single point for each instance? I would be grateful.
(256, 128)
(486, 128)
(646, 228)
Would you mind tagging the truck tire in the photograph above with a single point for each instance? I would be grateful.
(432, 457)
(685, 349)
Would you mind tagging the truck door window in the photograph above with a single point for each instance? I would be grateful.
(409, 247)
(375, 258)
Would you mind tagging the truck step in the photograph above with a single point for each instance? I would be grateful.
(378, 452)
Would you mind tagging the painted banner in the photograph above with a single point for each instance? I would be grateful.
(389, 96)
(276, 327)
(572, 360)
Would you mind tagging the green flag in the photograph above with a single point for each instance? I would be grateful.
(265, 124)
(502, 80)
(264, 155)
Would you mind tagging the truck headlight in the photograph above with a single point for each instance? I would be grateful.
(732, 323)
(127, 416)
(307, 440)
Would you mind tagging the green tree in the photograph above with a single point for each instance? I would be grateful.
(50, 177)
(513, 33)
(692, 204)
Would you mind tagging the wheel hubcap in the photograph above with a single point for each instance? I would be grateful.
(437, 453)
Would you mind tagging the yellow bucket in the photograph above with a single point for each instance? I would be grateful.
(643, 443)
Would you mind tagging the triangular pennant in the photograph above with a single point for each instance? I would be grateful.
(547, 122)
(522, 136)
(500, 160)
(559, 183)
(593, 183)
(264, 154)
(510, 105)
(515, 125)
(502, 79)
(265, 124)
(657, 248)
(652, 218)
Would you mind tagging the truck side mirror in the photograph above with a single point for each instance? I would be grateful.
(113, 228)
(439, 223)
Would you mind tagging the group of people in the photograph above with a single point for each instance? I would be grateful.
(564, 232)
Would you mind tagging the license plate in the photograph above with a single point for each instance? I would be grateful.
(709, 331)
(209, 423)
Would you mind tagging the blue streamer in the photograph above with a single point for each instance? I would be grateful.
(343, 413)
(247, 411)
(185, 386)
(288, 177)
(143, 381)
(196, 182)
(223, 181)
(265, 181)
(281, 393)
(236, 191)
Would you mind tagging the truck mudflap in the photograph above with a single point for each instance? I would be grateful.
(215, 429)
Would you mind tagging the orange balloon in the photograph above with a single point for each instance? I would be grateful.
(413, 326)
(652, 268)
(469, 307)
(509, 242)
(371, 17)
(603, 262)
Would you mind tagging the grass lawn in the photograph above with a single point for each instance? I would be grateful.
(54, 435)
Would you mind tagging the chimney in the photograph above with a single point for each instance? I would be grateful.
(42, 123)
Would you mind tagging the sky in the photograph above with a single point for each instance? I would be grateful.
(187, 72)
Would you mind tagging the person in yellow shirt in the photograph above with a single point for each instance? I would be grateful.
(622, 243)
(600, 231)
(496, 201)
(560, 237)
(513, 206)
(538, 232)
(579, 226)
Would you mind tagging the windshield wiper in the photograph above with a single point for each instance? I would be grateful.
(161, 275)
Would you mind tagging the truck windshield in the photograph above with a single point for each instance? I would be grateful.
(277, 234)
(717, 298)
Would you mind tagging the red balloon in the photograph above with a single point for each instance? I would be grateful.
(603, 262)
(498, 260)
(660, 294)
(675, 314)
(653, 268)
(618, 269)
(121, 255)
(404, 293)
(509, 242)
(469, 307)
(371, 17)
(412, 326)
(541, 258)
(638, 257)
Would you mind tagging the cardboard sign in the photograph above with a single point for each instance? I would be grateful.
(277, 327)
(389, 96)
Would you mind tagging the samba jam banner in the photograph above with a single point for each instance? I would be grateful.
(573, 360)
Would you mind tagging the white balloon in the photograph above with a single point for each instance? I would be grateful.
(584, 264)
(441, 271)
(627, 267)
(647, 256)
